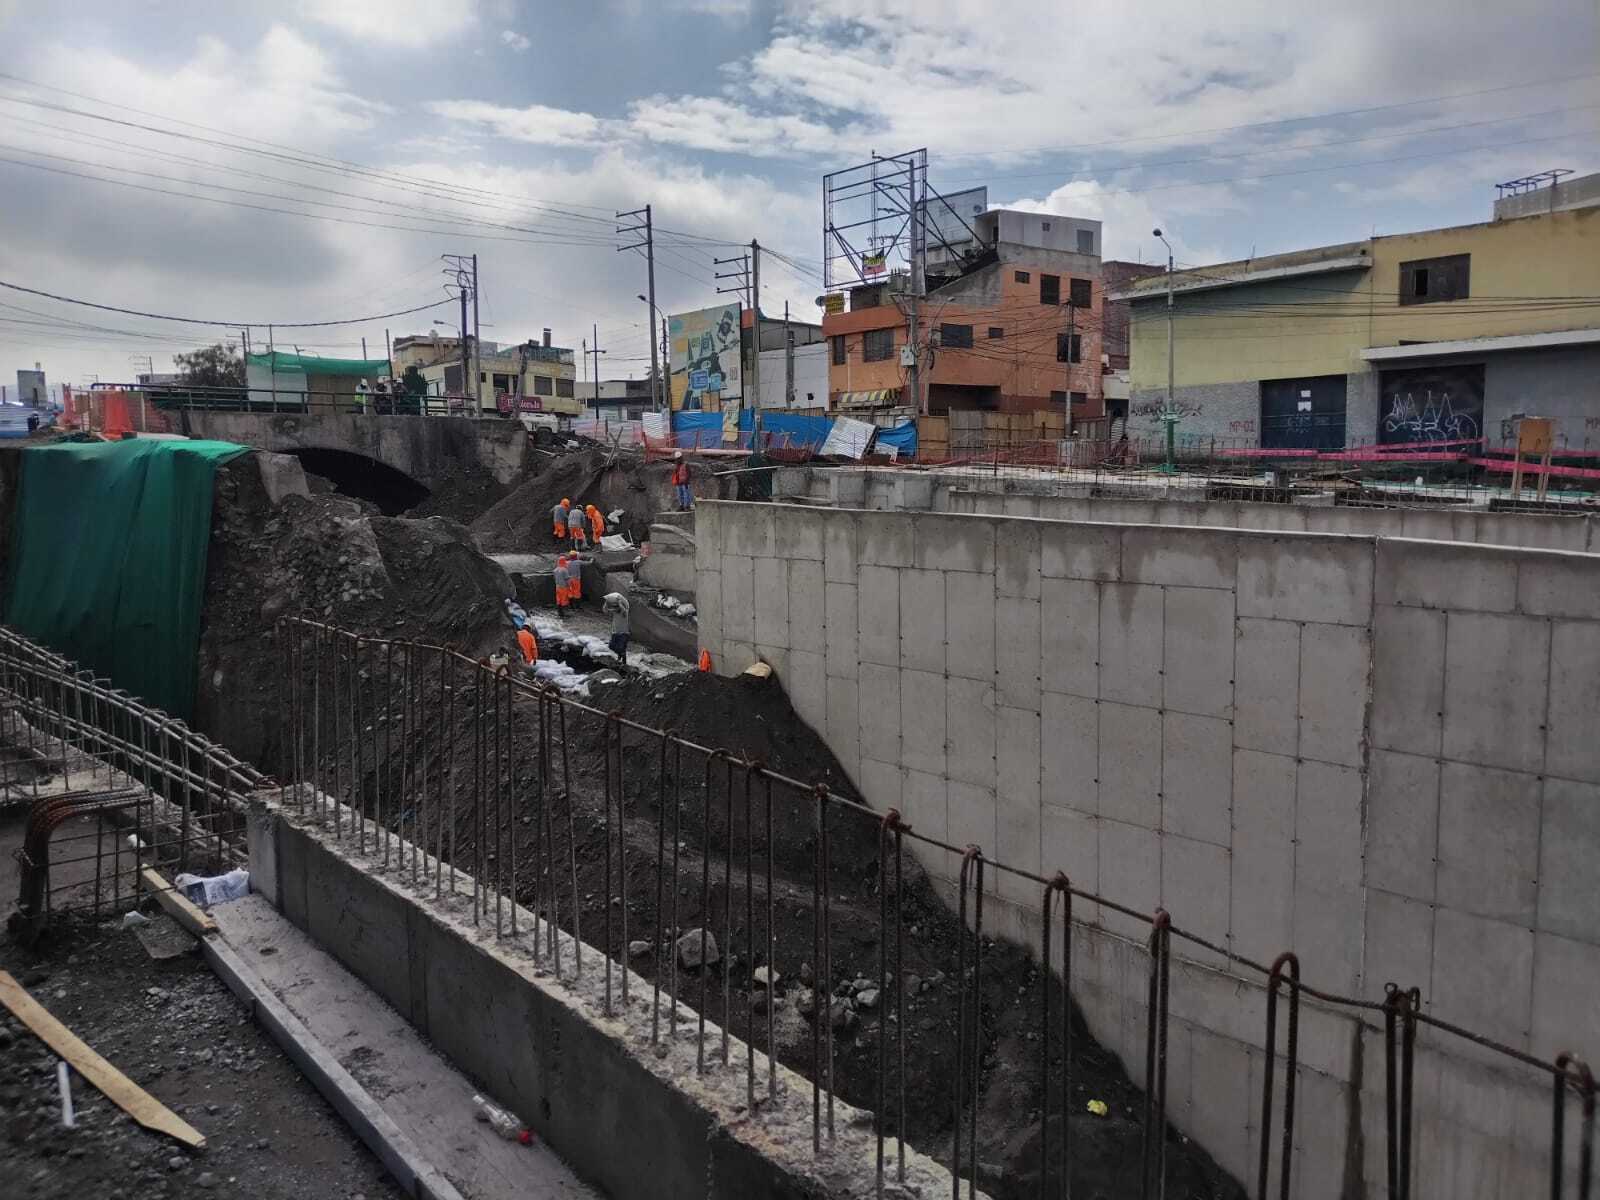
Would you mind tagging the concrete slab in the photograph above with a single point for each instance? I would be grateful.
(427, 1099)
(1566, 978)
(878, 618)
(1264, 793)
(771, 579)
(842, 724)
(1402, 823)
(1330, 922)
(1481, 976)
(1571, 749)
(1018, 651)
(1196, 880)
(1559, 585)
(1261, 923)
(1327, 829)
(1335, 669)
(886, 540)
(1306, 579)
(738, 598)
(805, 681)
(1432, 575)
(1080, 551)
(1070, 843)
(1196, 777)
(798, 533)
(1069, 636)
(924, 803)
(747, 529)
(883, 782)
(922, 620)
(1399, 942)
(1130, 769)
(880, 712)
(922, 721)
(1197, 651)
(1266, 685)
(970, 731)
(1408, 660)
(955, 543)
(1489, 842)
(1069, 751)
(1017, 806)
(1180, 557)
(841, 625)
(1130, 855)
(1569, 846)
(1497, 671)
(807, 602)
(839, 562)
(1016, 562)
(970, 821)
(969, 602)
(1131, 634)
(708, 607)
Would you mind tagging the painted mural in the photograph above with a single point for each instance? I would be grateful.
(706, 353)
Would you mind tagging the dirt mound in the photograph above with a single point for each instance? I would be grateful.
(336, 560)
(463, 494)
(521, 520)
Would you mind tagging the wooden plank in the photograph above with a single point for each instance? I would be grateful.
(179, 906)
(112, 1083)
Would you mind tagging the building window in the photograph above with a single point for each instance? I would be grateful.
(1045, 226)
(1069, 347)
(1432, 280)
(877, 345)
(1080, 293)
(1079, 399)
(1049, 289)
(838, 349)
(543, 385)
(564, 388)
(1023, 277)
(955, 337)
(504, 383)
(1085, 241)
(996, 332)
(1058, 398)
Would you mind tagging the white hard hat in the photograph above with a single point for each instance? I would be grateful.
(677, 454)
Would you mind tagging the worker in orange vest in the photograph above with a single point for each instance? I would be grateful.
(574, 579)
(528, 644)
(558, 519)
(597, 524)
(680, 482)
(577, 528)
(563, 591)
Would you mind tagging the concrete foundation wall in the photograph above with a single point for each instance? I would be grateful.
(1228, 412)
(635, 1122)
(1377, 752)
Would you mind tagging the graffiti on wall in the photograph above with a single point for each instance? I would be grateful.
(1154, 408)
(706, 358)
(1431, 404)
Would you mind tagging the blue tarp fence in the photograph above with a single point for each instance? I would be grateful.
(795, 430)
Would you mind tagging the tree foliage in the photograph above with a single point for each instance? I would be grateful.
(218, 366)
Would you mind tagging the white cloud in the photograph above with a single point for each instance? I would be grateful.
(536, 124)
(517, 41)
(412, 24)
(727, 9)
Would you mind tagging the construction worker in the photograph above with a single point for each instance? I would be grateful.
(574, 579)
(597, 524)
(680, 482)
(616, 604)
(529, 645)
(576, 528)
(558, 519)
(563, 593)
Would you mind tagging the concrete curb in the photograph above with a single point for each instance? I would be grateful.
(397, 1152)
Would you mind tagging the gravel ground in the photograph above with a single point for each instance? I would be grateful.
(175, 1030)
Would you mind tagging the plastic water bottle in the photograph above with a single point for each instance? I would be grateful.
(501, 1121)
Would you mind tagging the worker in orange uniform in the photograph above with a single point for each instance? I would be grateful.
(558, 519)
(577, 529)
(680, 482)
(563, 592)
(574, 577)
(597, 524)
(529, 645)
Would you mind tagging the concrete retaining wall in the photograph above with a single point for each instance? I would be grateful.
(1378, 752)
(635, 1122)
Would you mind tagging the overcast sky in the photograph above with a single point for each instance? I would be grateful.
(515, 130)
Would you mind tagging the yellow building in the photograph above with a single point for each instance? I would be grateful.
(1436, 336)
(527, 377)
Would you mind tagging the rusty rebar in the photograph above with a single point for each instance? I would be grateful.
(1285, 969)
(1062, 886)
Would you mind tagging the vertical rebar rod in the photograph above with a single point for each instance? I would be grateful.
(515, 806)
(572, 848)
(1285, 968)
(705, 909)
(727, 916)
(1060, 884)
(445, 806)
(677, 843)
(358, 804)
(622, 858)
(661, 883)
(498, 817)
(750, 938)
(772, 977)
(605, 946)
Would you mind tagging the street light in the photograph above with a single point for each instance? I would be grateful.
(1169, 415)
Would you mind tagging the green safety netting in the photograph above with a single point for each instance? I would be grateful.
(279, 360)
(108, 558)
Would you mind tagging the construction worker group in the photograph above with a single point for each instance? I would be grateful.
(581, 528)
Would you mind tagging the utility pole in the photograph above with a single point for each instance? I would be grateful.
(666, 369)
(460, 267)
(788, 360)
(363, 349)
(755, 343)
(741, 274)
(597, 352)
(644, 224)
(388, 352)
(477, 347)
(1169, 415)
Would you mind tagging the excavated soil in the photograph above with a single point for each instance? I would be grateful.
(753, 719)
(461, 495)
(521, 520)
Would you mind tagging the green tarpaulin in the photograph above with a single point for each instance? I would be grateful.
(108, 558)
(284, 363)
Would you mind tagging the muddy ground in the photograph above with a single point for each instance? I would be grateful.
(176, 1031)
(753, 718)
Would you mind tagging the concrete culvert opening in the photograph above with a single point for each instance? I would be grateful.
(363, 478)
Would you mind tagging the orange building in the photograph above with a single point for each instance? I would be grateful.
(1012, 326)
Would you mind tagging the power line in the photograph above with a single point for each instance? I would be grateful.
(133, 312)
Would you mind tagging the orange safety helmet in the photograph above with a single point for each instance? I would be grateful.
(565, 503)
